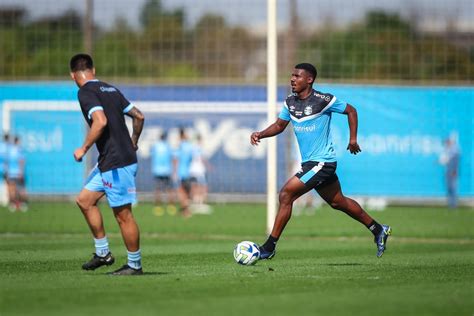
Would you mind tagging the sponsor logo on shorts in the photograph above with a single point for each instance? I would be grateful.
(107, 184)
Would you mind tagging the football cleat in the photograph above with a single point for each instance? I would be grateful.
(381, 239)
(127, 270)
(264, 254)
(97, 262)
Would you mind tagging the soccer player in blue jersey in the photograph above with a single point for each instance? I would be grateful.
(162, 169)
(4, 148)
(16, 176)
(310, 113)
(182, 165)
(104, 108)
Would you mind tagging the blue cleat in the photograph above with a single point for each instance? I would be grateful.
(381, 239)
(264, 254)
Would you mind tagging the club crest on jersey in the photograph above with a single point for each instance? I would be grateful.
(308, 110)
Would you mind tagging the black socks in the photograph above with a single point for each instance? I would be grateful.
(270, 244)
(375, 228)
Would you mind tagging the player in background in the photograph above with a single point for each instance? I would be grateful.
(197, 171)
(450, 158)
(104, 109)
(182, 163)
(16, 177)
(162, 169)
(310, 113)
(4, 147)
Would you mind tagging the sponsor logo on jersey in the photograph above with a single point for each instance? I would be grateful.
(107, 89)
(304, 129)
(322, 96)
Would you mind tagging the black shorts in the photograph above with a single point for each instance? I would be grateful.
(186, 184)
(163, 182)
(316, 174)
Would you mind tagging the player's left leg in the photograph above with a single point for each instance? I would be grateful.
(87, 202)
(11, 195)
(333, 195)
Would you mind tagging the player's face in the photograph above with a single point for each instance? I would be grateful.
(300, 80)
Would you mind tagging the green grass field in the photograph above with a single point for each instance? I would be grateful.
(325, 264)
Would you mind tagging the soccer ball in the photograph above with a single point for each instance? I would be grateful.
(246, 253)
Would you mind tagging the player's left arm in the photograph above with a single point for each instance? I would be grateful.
(99, 122)
(352, 119)
(138, 120)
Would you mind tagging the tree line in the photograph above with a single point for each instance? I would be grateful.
(382, 46)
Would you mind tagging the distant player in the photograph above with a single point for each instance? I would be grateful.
(4, 148)
(104, 107)
(182, 164)
(197, 171)
(310, 112)
(162, 169)
(16, 177)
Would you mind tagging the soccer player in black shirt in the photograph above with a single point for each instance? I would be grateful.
(104, 107)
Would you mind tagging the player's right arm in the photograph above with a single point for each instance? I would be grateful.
(272, 130)
(92, 108)
(99, 122)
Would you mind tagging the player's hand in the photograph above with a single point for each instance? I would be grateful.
(79, 153)
(255, 138)
(353, 147)
(135, 146)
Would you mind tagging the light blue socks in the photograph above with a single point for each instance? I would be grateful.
(134, 259)
(101, 246)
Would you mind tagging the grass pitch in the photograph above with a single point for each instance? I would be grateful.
(325, 264)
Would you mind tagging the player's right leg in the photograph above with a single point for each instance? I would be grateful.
(87, 201)
(121, 194)
(131, 237)
(184, 195)
(292, 190)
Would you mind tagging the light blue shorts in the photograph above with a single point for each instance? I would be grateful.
(118, 184)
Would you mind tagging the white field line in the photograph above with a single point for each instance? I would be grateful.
(169, 236)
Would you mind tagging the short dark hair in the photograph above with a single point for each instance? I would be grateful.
(182, 132)
(163, 136)
(309, 68)
(81, 62)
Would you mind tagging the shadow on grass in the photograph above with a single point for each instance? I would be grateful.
(342, 264)
(145, 273)
(155, 273)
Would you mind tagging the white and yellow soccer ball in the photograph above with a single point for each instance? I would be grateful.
(246, 253)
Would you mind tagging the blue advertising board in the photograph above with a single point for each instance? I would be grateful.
(401, 133)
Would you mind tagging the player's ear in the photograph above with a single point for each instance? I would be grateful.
(93, 71)
(73, 77)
